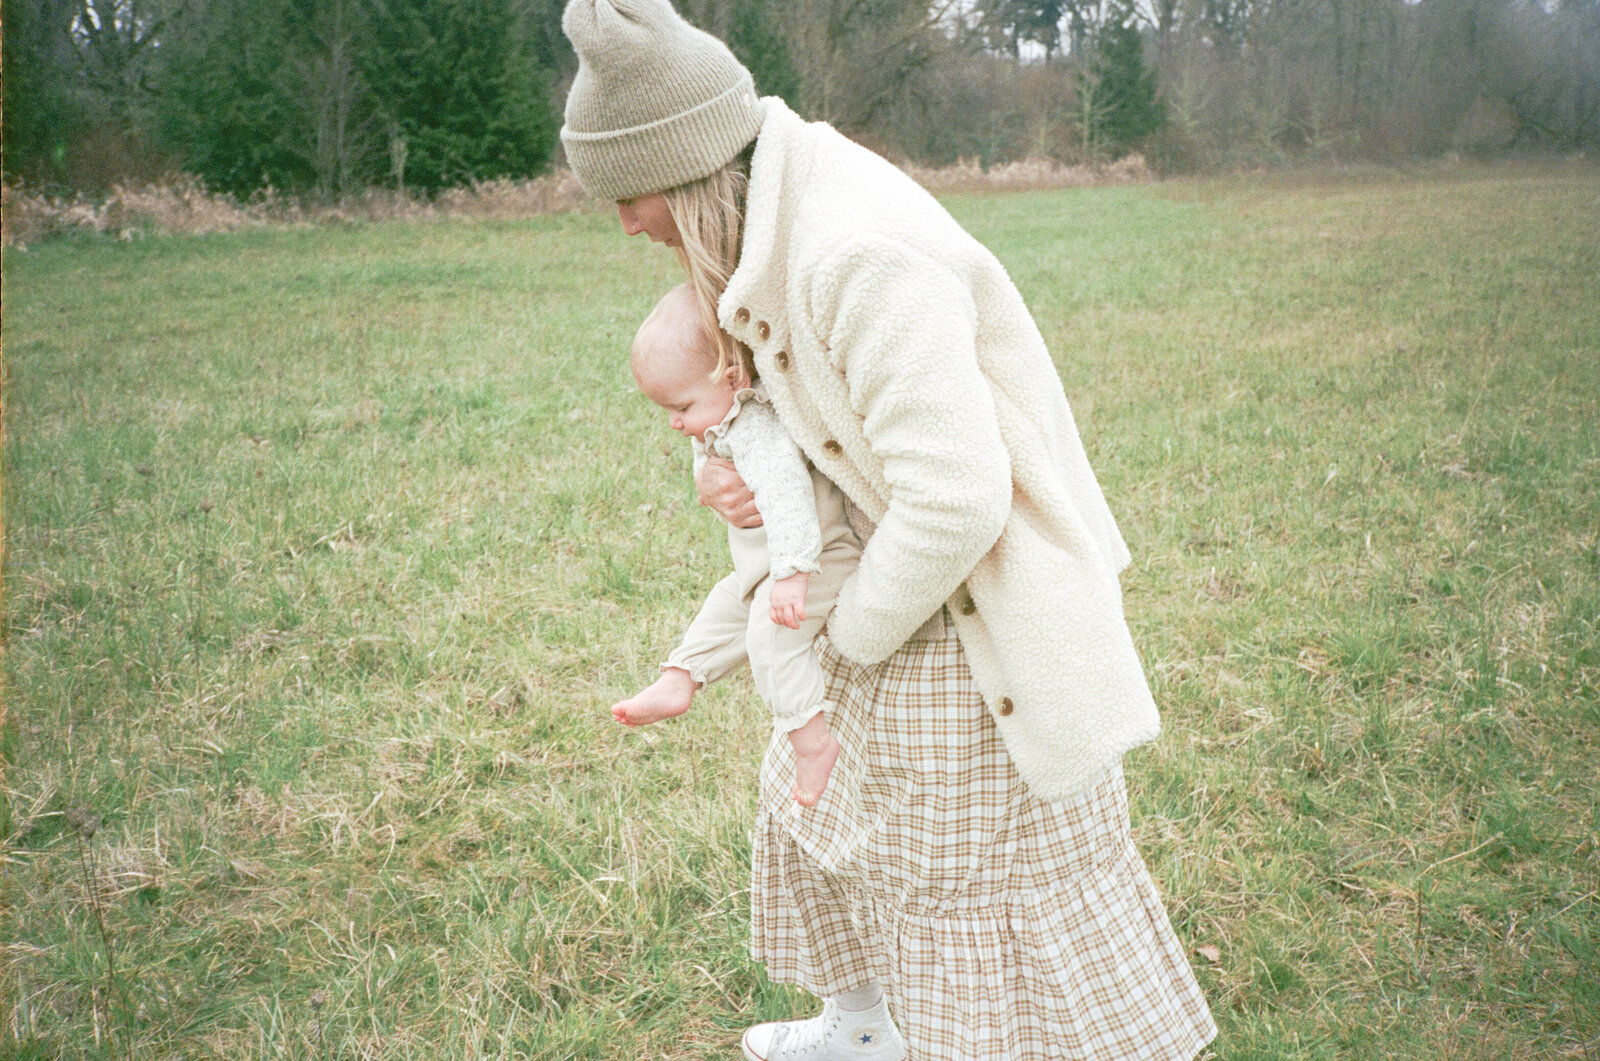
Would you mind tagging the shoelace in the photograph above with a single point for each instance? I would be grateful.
(818, 1030)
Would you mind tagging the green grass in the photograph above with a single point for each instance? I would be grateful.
(327, 550)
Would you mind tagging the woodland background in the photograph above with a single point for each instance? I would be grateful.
(328, 98)
(328, 545)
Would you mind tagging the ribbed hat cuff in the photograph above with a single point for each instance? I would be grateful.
(628, 163)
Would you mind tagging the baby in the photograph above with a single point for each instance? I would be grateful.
(786, 573)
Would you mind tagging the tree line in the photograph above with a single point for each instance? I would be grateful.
(326, 96)
(330, 97)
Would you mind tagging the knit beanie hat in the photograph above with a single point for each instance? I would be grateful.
(656, 103)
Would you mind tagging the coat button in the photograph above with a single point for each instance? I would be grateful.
(742, 315)
(783, 360)
(1006, 706)
(968, 606)
(832, 448)
(762, 330)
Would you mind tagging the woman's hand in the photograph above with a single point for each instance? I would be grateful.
(724, 492)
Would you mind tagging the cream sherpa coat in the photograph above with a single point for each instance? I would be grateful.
(905, 364)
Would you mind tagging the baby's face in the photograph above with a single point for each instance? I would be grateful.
(693, 400)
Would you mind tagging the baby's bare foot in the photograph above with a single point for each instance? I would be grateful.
(667, 697)
(815, 752)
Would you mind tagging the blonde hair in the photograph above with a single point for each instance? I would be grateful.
(709, 215)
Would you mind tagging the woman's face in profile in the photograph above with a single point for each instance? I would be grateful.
(651, 215)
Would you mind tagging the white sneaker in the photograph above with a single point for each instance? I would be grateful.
(836, 1035)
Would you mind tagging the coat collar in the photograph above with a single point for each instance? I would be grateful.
(779, 171)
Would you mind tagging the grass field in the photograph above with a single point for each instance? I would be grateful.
(326, 550)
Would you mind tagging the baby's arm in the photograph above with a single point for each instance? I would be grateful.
(775, 470)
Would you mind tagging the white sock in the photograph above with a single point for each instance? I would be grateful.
(859, 999)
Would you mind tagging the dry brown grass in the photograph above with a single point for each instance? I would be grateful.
(1030, 173)
(181, 205)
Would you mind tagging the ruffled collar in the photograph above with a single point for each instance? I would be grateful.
(715, 434)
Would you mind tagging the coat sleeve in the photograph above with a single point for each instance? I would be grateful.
(901, 327)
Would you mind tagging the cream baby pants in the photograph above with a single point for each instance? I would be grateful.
(735, 623)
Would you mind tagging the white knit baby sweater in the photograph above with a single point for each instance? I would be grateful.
(772, 466)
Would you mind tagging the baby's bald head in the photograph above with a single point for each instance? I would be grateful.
(672, 340)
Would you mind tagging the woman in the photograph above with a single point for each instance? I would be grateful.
(966, 888)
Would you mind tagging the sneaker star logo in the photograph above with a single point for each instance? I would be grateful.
(865, 1039)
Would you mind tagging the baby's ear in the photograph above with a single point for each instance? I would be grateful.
(735, 376)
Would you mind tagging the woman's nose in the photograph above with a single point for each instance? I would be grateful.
(630, 220)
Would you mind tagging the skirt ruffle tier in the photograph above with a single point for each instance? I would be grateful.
(1002, 927)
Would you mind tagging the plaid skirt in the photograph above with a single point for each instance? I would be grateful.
(1001, 927)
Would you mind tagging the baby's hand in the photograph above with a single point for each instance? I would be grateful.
(789, 600)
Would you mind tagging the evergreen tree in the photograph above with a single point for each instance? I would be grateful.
(229, 103)
(40, 71)
(1005, 25)
(539, 25)
(460, 96)
(764, 50)
(1119, 106)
